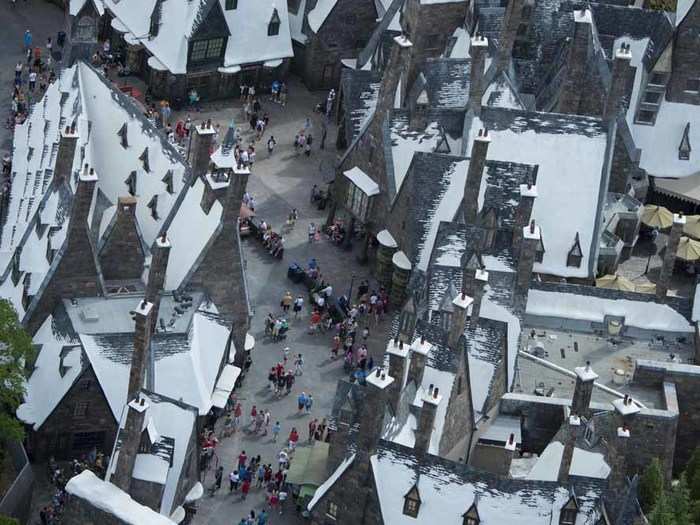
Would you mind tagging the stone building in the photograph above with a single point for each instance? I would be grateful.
(211, 46)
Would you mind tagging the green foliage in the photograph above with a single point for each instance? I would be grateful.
(651, 485)
(692, 474)
(662, 5)
(663, 512)
(4, 520)
(15, 351)
(679, 500)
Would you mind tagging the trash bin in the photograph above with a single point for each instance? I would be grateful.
(61, 39)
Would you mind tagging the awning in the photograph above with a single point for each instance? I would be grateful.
(349, 62)
(117, 25)
(687, 189)
(130, 38)
(363, 181)
(249, 343)
(224, 386)
(309, 465)
(229, 69)
(156, 64)
(273, 63)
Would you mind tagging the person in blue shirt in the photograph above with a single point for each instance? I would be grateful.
(27, 39)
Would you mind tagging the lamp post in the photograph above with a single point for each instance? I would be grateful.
(352, 282)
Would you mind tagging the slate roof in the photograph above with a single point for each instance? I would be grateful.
(447, 82)
(360, 92)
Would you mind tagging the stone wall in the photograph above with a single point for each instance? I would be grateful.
(541, 418)
(147, 493)
(459, 419)
(56, 436)
(122, 255)
(686, 47)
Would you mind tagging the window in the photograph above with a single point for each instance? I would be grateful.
(646, 117)
(86, 385)
(522, 29)
(88, 440)
(568, 517)
(692, 85)
(652, 97)
(206, 49)
(131, 183)
(658, 79)
(168, 180)
(86, 29)
(80, 409)
(332, 511)
(471, 517)
(357, 201)
(233, 4)
(684, 149)
(293, 6)
(575, 254)
(411, 502)
(539, 252)
(273, 28)
(153, 206)
(433, 41)
(123, 139)
(144, 160)
(215, 47)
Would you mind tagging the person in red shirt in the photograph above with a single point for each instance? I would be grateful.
(242, 458)
(272, 500)
(293, 438)
(253, 415)
(312, 429)
(245, 488)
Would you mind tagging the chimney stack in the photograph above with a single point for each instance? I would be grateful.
(374, 407)
(142, 348)
(398, 353)
(160, 253)
(238, 181)
(568, 453)
(509, 32)
(575, 81)
(531, 239)
(626, 408)
(458, 323)
(481, 278)
(472, 186)
(397, 67)
(419, 353)
(426, 421)
(528, 194)
(622, 74)
(585, 379)
(477, 84)
(66, 152)
(201, 145)
(669, 261)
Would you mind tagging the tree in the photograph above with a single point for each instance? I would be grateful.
(15, 352)
(692, 471)
(679, 501)
(663, 512)
(651, 485)
(4, 520)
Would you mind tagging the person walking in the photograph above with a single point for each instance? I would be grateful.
(293, 439)
(233, 481)
(313, 424)
(298, 305)
(245, 488)
(301, 402)
(242, 458)
(266, 422)
(262, 517)
(218, 477)
(253, 415)
(282, 497)
(312, 232)
(28, 40)
(308, 403)
(32, 80)
(276, 428)
(299, 365)
(287, 300)
(271, 143)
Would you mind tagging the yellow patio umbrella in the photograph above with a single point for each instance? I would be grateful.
(657, 217)
(692, 226)
(688, 249)
(615, 282)
(645, 288)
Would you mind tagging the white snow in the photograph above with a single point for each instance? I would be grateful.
(386, 239)
(682, 8)
(643, 315)
(320, 491)
(195, 493)
(363, 181)
(462, 301)
(570, 171)
(318, 14)
(442, 381)
(296, 23)
(224, 386)
(583, 463)
(625, 409)
(401, 261)
(109, 498)
(451, 254)
(585, 373)
(149, 467)
(381, 381)
(501, 428)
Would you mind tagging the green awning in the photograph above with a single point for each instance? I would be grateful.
(309, 465)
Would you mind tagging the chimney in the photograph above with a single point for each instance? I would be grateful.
(585, 379)
(130, 441)
(458, 323)
(407, 319)
(426, 421)
(509, 32)
(398, 352)
(142, 347)
(472, 186)
(568, 452)
(238, 181)
(669, 261)
(528, 194)
(575, 81)
(378, 386)
(65, 154)
(626, 408)
(622, 74)
(160, 252)
(526, 260)
(394, 75)
(419, 353)
(480, 280)
(477, 84)
(201, 145)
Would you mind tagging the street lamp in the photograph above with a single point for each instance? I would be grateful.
(352, 281)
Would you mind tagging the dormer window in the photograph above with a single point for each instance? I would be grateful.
(144, 160)
(471, 517)
(231, 5)
(443, 146)
(153, 206)
(411, 502)
(332, 511)
(569, 511)
(273, 27)
(684, 147)
(692, 85)
(131, 183)
(168, 180)
(123, 139)
(539, 251)
(154, 25)
(575, 254)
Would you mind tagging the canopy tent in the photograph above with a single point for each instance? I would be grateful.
(688, 249)
(308, 469)
(692, 226)
(657, 217)
(615, 282)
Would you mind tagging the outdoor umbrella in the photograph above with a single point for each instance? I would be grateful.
(688, 249)
(645, 288)
(615, 282)
(692, 226)
(657, 217)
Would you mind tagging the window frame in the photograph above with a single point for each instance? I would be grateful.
(692, 91)
(230, 5)
(332, 510)
(80, 409)
(206, 50)
(357, 201)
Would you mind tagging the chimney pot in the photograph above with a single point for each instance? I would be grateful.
(163, 238)
(208, 123)
(92, 171)
(379, 372)
(435, 392)
(85, 168)
(383, 375)
(142, 401)
(67, 130)
(481, 132)
(588, 366)
(430, 389)
(396, 340)
(422, 340)
(400, 345)
(511, 438)
(532, 226)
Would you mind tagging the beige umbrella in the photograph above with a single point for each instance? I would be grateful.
(615, 282)
(657, 217)
(692, 226)
(688, 249)
(645, 288)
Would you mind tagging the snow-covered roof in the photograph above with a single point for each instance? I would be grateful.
(317, 16)
(296, 23)
(584, 463)
(320, 491)
(642, 315)
(659, 143)
(363, 181)
(77, 5)
(501, 428)
(149, 467)
(571, 152)
(446, 495)
(109, 498)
